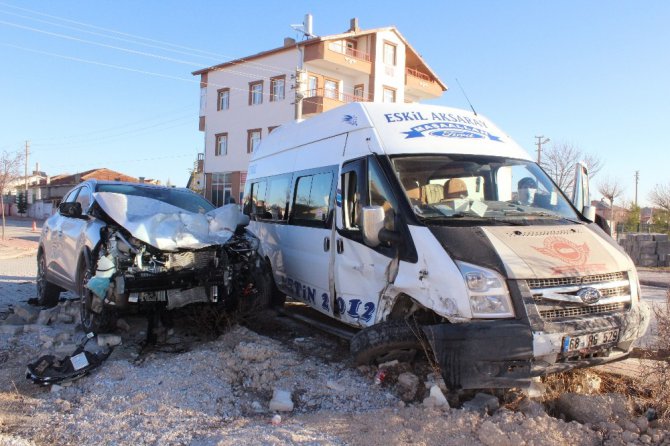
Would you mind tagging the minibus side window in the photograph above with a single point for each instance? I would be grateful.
(312, 199)
(258, 198)
(277, 198)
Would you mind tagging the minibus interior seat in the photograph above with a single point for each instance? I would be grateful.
(433, 193)
(413, 191)
(455, 188)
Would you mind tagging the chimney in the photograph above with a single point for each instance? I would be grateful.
(77, 178)
(37, 168)
(353, 25)
(288, 41)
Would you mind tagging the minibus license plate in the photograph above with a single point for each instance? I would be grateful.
(573, 343)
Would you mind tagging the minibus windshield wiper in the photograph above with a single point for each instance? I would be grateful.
(539, 214)
(460, 216)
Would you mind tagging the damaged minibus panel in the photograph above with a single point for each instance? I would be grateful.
(423, 226)
(123, 245)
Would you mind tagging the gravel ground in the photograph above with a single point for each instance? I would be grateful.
(192, 388)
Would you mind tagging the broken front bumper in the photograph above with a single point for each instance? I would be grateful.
(508, 353)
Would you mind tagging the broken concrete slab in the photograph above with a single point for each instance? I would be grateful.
(26, 312)
(11, 329)
(593, 408)
(436, 399)
(109, 340)
(483, 403)
(281, 401)
(47, 316)
(408, 384)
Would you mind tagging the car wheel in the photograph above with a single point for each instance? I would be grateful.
(91, 321)
(257, 294)
(386, 341)
(47, 292)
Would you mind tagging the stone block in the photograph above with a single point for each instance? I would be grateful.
(647, 262)
(281, 401)
(47, 316)
(436, 398)
(663, 248)
(647, 249)
(660, 237)
(27, 312)
(644, 237)
(11, 329)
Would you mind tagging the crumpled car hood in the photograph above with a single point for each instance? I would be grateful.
(167, 227)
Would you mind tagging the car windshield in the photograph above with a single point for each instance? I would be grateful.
(480, 187)
(181, 198)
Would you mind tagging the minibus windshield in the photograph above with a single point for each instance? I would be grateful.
(479, 187)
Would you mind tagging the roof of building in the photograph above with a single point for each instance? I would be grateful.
(98, 174)
(314, 40)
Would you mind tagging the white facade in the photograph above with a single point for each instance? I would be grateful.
(238, 104)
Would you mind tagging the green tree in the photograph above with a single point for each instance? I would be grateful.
(22, 202)
(631, 223)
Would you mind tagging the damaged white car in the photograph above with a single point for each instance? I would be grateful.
(123, 245)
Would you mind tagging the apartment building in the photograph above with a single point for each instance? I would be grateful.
(243, 100)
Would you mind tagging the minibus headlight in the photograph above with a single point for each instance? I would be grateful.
(487, 290)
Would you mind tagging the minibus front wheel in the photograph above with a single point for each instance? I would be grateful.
(399, 339)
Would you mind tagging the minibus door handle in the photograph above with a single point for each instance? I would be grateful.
(340, 246)
(326, 244)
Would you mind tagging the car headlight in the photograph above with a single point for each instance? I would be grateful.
(487, 290)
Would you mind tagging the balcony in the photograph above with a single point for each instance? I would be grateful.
(320, 100)
(421, 85)
(338, 57)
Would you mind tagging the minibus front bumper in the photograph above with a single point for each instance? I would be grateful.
(509, 353)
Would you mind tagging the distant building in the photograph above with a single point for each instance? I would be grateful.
(243, 100)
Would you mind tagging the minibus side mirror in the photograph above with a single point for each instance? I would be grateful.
(372, 222)
(589, 212)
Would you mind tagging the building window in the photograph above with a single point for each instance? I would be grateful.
(223, 99)
(256, 93)
(330, 89)
(312, 86)
(277, 88)
(389, 94)
(221, 146)
(389, 53)
(253, 139)
(359, 92)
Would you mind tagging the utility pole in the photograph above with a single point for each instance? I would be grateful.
(539, 147)
(639, 213)
(26, 172)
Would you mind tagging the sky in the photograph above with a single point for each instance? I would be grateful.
(108, 83)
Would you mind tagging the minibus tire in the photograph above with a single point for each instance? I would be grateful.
(386, 341)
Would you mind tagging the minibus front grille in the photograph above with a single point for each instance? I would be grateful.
(584, 280)
(558, 298)
(574, 311)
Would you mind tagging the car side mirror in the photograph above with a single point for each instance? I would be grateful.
(70, 209)
(372, 222)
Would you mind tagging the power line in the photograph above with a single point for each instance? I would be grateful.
(108, 30)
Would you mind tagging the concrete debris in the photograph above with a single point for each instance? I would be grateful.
(536, 389)
(436, 399)
(257, 407)
(482, 403)
(388, 365)
(109, 340)
(26, 312)
(122, 325)
(65, 318)
(435, 379)
(492, 435)
(11, 329)
(408, 384)
(47, 316)
(531, 408)
(281, 401)
(276, 420)
(593, 408)
(14, 319)
(334, 385)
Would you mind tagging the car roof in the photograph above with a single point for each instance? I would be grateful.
(94, 183)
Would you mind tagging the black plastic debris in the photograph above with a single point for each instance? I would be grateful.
(48, 369)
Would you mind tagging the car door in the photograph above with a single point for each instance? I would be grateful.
(53, 243)
(71, 234)
(360, 271)
(308, 239)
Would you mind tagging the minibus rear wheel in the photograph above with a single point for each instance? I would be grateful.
(395, 339)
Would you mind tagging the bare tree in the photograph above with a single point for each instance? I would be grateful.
(611, 189)
(10, 170)
(559, 160)
(660, 196)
